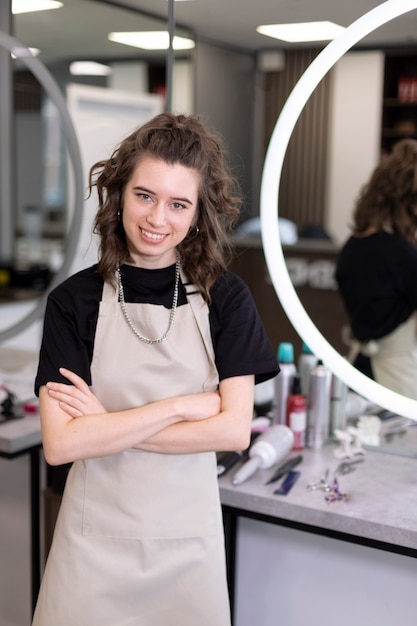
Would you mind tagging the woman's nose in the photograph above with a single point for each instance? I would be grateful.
(156, 216)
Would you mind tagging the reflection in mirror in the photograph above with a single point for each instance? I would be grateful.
(270, 193)
(13, 46)
(377, 272)
(385, 431)
(41, 183)
(330, 155)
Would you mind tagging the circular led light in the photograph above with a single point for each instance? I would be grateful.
(269, 201)
(24, 54)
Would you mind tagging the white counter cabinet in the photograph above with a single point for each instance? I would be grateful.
(297, 559)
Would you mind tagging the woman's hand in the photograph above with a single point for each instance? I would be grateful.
(199, 406)
(76, 399)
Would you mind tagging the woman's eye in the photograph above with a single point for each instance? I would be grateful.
(144, 196)
(178, 205)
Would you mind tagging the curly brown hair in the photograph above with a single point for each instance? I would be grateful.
(182, 139)
(389, 200)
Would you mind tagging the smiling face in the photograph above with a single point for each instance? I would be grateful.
(159, 207)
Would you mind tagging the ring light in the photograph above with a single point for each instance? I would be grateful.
(270, 199)
(47, 81)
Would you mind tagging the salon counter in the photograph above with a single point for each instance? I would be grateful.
(356, 552)
(19, 438)
(381, 504)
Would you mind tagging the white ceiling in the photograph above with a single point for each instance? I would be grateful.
(234, 21)
(79, 29)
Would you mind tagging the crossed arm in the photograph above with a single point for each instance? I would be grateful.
(75, 425)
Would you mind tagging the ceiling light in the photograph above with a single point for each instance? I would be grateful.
(302, 31)
(151, 40)
(29, 6)
(89, 68)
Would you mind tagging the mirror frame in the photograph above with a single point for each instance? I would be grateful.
(269, 202)
(45, 78)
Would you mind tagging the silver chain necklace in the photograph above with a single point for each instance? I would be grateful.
(171, 315)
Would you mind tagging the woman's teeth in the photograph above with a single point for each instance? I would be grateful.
(151, 235)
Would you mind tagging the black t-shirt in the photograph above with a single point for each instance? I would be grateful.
(240, 342)
(377, 279)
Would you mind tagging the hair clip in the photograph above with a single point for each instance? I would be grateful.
(335, 495)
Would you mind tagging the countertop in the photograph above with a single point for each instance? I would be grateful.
(18, 435)
(17, 372)
(381, 502)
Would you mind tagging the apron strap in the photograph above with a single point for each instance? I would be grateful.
(201, 313)
(367, 348)
(110, 293)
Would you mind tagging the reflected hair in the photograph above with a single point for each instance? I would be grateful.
(174, 139)
(389, 200)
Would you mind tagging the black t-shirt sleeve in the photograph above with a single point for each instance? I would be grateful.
(69, 328)
(240, 341)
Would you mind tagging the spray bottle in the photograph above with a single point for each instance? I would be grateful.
(297, 414)
(283, 382)
(337, 405)
(319, 406)
(306, 361)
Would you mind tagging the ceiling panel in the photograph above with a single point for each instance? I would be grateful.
(79, 29)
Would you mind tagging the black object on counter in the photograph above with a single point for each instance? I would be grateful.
(285, 468)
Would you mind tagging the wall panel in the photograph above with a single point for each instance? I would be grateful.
(302, 190)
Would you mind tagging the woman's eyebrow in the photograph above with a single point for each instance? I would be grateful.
(153, 193)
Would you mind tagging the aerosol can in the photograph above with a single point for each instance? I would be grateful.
(318, 419)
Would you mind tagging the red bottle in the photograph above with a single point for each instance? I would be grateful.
(297, 414)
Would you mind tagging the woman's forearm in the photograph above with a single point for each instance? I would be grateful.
(212, 434)
(76, 426)
(228, 430)
(67, 439)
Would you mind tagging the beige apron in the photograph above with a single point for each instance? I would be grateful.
(395, 362)
(393, 358)
(139, 538)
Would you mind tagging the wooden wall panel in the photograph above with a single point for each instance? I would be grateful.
(303, 177)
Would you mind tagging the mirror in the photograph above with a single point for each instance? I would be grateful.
(38, 70)
(41, 230)
(356, 136)
(269, 199)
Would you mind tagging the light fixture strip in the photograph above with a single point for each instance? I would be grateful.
(30, 6)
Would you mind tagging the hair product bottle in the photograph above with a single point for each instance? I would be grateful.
(319, 406)
(283, 382)
(337, 405)
(306, 361)
(269, 448)
(297, 414)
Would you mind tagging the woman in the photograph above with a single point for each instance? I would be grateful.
(377, 271)
(160, 347)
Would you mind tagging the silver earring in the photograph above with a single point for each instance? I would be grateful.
(197, 230)
(119, 216)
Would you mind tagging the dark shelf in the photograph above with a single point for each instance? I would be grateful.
(396, 134)
(399, 116)
(394, 102)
